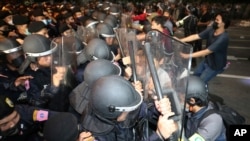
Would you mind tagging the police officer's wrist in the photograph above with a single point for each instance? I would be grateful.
(160, 134)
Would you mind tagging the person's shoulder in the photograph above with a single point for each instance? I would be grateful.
(212, 117)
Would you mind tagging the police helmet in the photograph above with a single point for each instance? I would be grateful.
(90, 23)
(111, 20)
(36, 45)
(99, 4)
(114, 10)
(105, 30)
(112, 95)
(105, 6)
(98, 68)
(94, 14)
(101, 16)
(197, 88)
(98, 49)
(9, 45)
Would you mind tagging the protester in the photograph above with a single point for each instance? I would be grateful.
(215, 52)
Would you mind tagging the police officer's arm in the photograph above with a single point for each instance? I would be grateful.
(31, 114)
(21, 80)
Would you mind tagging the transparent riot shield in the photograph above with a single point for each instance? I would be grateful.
(132, 50)
(64, 61)
(121, 36)
(87, 32)
(166, 73)
(129, 45)
(81, 33)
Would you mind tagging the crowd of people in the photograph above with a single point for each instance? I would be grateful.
(65, 74)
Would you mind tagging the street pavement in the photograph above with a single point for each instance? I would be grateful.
(233, 85)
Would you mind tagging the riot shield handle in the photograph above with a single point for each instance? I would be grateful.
(158, 87)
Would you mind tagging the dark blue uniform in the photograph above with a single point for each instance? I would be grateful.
(28, 128)
(7, 87)
(44, 95)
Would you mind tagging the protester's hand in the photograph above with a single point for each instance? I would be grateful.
(86, 136)
(141, 36)
(165, 127)
(185, 55)
(21, 80)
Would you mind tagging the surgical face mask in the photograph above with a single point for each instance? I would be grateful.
(49, 21)
(215, 25)
(10, 22)
(45, 22)
(27, 32)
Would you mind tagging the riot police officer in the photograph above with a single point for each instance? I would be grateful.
(48, 88)
(79, 97)
(21, 122)
(114, 108)
(12, 83)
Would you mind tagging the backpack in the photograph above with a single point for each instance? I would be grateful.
(190, 25)
(228, 114)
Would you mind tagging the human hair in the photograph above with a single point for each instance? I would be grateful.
(198, 102)
(159, 20)
(225, 18)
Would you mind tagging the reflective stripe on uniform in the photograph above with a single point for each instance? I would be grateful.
(196, 137)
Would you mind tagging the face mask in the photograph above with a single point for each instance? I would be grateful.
(10, 22)
(17, 62)
(27, 32)
(215, 25)
(5, 33)
(49, 21)
(45, 22)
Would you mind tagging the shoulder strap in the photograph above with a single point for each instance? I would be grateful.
(206, 114)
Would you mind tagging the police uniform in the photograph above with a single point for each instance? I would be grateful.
(28, 126)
